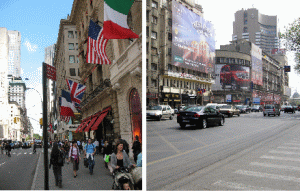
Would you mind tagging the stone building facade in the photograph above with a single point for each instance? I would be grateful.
(114, 89)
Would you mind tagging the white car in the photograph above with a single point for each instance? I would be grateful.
(159, 112)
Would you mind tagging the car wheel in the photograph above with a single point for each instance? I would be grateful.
(238, 114)
(182, 125)
(159, 118)
(171, 117)
(278, 114)
(222, 121)
(204, 124)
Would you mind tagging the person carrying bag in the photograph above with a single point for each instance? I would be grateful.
(74, 156)
(89, 153)
(57, 161)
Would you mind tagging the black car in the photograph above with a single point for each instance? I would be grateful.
(201, 116)
(288, 109)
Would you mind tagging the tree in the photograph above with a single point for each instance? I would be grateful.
(36, 136)
(291, 37)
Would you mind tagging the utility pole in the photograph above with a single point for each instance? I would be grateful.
(45, 124)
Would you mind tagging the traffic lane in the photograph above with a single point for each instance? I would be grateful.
(17, 172)
(167, 138)
(271, 164)
(165, 170)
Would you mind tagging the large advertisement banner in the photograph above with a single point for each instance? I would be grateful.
(193, 40)
(257, 72)
(232, 77)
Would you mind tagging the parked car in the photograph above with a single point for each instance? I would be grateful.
(271, 110)
(159, 112)
(229, 110)
(298, 108)
(235, 76)
(244, 108)
(201, 116)
(289, 109)
(255, 108)
(282, 108)
(16, 144)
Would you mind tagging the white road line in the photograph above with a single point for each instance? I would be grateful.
(2, 164)
(238, 186)
(19, 154)
(267, 175)
(30, 153)
(294, 148)
(13, 153)
(285, 152)
(296, 144)
(283, 167)
(281, 158)
(25, 153)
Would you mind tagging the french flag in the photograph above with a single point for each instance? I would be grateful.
(66, 107)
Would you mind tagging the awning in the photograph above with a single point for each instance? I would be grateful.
(85, 125)
(92, 122)
(78, 128)
(99, 120)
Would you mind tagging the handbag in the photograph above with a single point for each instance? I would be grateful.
(107, 158)
(85, 162)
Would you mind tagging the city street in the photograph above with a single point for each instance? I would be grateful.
(248, 152)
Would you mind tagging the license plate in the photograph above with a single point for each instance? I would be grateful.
(185, 121)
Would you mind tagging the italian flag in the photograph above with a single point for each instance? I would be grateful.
(115, 19)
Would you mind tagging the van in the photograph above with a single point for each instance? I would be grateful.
(271, 110)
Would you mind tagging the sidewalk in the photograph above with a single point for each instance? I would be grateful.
(100, 180)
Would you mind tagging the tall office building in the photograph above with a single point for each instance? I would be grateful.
(257, 28)
(14, 53)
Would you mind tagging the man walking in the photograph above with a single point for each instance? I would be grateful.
(89, 152)
(96, 143)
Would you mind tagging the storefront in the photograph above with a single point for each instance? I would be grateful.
(171, 99)
(152, 99)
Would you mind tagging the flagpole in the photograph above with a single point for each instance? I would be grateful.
(45, 124)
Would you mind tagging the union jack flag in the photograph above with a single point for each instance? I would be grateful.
(76, 91)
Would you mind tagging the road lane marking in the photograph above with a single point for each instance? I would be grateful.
(2, 164)
(25, 153)
(238, 186)
(168, 143)
(267, 175)
(215, 143)
(294, 148)
(285, 152)
(19, 154)
(294, 168)
(281, 158)
(296, 144)
(13, 153)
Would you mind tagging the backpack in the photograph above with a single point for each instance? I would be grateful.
(60, 160)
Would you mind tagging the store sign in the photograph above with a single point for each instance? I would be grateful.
(256, 100)
(228, 98)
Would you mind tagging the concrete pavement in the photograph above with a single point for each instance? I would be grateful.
(100, 180)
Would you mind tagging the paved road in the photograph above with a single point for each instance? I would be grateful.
(242, 154)
(17, 171)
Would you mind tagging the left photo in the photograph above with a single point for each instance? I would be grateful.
(71, 95)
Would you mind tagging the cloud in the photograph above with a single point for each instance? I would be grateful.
(31, 47)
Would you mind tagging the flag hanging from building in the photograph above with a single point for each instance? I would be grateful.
(51, 128)
(67, 108)
(115, 19)
(50, 72)
(96, 45)
(76, 91)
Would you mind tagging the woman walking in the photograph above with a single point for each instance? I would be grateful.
(74, 156)
(57, 161)
(120, 158)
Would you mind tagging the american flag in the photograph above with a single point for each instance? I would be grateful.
(77, 90)
(96, 45)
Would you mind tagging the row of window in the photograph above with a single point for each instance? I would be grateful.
(72, 59)
(73, 72)
(178, 84)
(221, 60)
(71, 34)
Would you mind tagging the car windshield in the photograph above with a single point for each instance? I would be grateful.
(155, 108)
(238, 106)
(195, 109)
(269, 107)
(226, 107)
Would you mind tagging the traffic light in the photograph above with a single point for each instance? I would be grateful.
(41, 121)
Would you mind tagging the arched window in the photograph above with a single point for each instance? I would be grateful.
(135, 114)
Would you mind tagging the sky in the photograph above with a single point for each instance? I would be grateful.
(38, 22)
(221, 14)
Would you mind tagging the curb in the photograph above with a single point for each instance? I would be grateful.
(35, 174)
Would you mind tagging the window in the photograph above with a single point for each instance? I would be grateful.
(70, 34)
(153, 83)
(170, 36)
(71, 46)
(154, 35)
(245, 30)
(76, 46)
(153, 51)
(71, 59)
(147, 15)
(170, 67)
(72, 72)
(154, 19)
(170, 22)
(147, 31)
(153, 66)
(75, 34)
(154, 4)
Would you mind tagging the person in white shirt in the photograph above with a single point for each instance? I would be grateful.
(96, 143)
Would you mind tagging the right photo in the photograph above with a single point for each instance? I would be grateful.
(222, 101)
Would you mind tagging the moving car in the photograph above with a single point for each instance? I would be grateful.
(244, 108)
(39, 143)
(282, 108)
(235, 76)
(229, 110)
(289, 109)
(271, 110)
(255, 108)
(201, 116)
(159, 112)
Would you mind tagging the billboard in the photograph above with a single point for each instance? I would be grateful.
(232, 77)
(193, 40)
(257, 72)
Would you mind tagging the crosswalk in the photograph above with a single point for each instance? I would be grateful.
(273, 169)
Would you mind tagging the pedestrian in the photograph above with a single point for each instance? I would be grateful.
(74, 156)
(79, 146)
(89, 153)
(136, 147)
(139, 159)
(125, 145)
(57, 161)
(84, 143)
(102, 145)
(66, 148)
(96, 143)
(120, 158)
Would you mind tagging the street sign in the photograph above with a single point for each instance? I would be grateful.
(256, 100)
